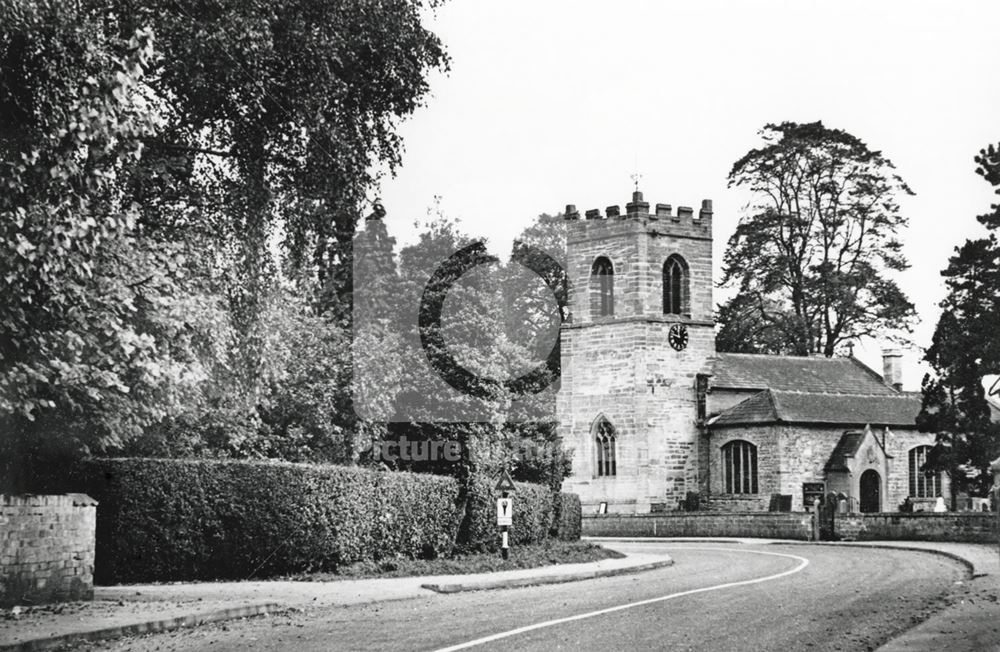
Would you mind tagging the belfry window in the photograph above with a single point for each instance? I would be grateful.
(675, 286)
(922, 484)
(739, 467)
(602, 287)
(605, 444)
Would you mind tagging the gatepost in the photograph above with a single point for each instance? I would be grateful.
(815, 519)
(505, 511)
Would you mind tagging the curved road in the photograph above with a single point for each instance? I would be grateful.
(716, 597)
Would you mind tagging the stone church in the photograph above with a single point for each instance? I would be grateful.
(658, 419)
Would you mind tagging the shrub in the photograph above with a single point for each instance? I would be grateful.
(532, 516)
(164, 519)
(568, 522)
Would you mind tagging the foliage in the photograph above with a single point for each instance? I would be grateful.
(288, 108)
(97, 341)
(964, 348)
(532, 515)
(746, 327)
(145, 192)
(811, 257)
(186, 520)
(568, 522)
(493, 426)
(300, 413)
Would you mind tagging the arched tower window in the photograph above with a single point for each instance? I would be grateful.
(923, 485)
(675, 287)
(605, 444)
(739, 464)
(602, 287)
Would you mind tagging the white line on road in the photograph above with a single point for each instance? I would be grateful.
(803, 562)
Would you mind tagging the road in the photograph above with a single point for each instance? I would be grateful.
(716, 597)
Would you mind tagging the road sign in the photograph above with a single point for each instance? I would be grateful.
(991, 384)
(505, 483)
(505, 509)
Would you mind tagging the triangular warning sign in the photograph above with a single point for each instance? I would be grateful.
(505, 483)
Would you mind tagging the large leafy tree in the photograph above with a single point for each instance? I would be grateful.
(96, 339)
(813, 253)
(147, 180)
(286, 109)
(966, 347)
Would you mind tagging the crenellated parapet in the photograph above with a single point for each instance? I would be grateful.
(662, 220)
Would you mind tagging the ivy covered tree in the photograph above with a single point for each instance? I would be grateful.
(813, 254)
(966, 347)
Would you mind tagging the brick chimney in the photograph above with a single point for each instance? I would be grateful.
(892, 368)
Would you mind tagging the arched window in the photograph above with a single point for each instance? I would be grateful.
(602, 287)
(605, 444)
(739, 464)
(921, 484)
(675, 286)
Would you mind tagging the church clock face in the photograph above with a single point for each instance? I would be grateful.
(678, 337)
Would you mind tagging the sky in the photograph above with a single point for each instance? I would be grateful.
(553, 102)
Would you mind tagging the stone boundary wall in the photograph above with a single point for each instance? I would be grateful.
(967, 527)
(770, 525)
(47, 548)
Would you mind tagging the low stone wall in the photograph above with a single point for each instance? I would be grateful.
(770, 525)
(46, 548)
(970, 527)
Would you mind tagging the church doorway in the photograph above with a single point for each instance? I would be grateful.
(871, 489)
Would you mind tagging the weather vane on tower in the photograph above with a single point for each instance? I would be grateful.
(635, 179)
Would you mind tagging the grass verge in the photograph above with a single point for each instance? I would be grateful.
(531, 556)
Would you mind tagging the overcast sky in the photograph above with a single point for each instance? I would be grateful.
(552, 103)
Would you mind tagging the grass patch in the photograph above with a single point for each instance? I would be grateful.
(530, 556)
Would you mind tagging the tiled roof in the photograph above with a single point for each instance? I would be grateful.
(846, 447)
(792, 373)
(896, 409)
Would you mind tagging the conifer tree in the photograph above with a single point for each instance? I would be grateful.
(965, 347)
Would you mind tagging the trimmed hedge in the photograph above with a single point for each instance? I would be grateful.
(531, 522)
(197, 519)
(569, 517)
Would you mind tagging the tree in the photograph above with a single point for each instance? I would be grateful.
(811, 256)
(290, 107)
(96, 339)
(966, 347)
(746, 327)
(493, 424)
(143, 191)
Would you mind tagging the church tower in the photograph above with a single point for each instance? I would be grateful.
(635, 349)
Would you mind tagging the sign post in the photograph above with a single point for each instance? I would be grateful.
(505, 512)
(995, 470)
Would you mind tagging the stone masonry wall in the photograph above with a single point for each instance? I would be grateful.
(970, 527)
(621, 366)
(774, 525)
(790, 455)
(766, 440)
(47, 548)
(898, 443)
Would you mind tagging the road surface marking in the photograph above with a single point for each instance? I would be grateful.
(803, 562)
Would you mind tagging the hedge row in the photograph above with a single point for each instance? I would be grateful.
(532, 515)
(187, 519)
(164, 519)
(569, 517)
